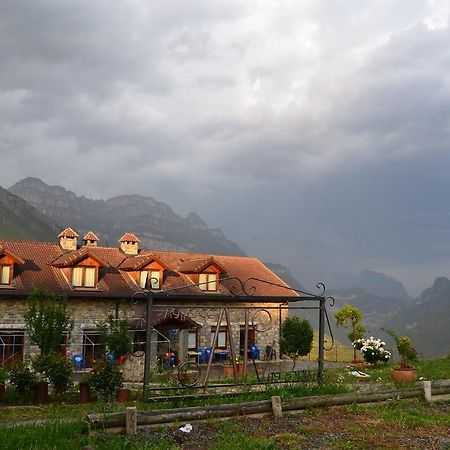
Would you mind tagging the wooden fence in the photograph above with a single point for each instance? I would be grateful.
(133, 419)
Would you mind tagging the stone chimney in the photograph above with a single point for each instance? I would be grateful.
(129, 244)
(68, 239)
(90, 239)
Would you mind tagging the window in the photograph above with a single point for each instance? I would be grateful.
(5, 274)
(11, 346)
(139, 339)
(93, 348)
(84, 276)
(210, 280)
(154, 278)
(192, 340)
(251, 337)
(221, 338)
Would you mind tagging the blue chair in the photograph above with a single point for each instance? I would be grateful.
(79, 361)
(254, 352)
(200, 355)
(207, 354)
(110, 357)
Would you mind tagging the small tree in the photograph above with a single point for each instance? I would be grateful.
(296, 337)
(116, 335)
(47, 320)
(349, 316)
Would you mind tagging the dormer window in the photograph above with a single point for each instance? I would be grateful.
(208, 281)
(5, 274)
(83, 276)
(150, 279)
(7, 262)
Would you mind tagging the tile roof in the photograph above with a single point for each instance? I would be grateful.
(68, 232)
(130, 237)
(43, 263)
(197, 265)
(90, 236)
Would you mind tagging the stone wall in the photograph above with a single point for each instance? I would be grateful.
(89, 313)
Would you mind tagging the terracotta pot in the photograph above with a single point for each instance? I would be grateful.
(41, 393)
(228, 369)
(404, 376)
(85, 393)
(2, 393)
(123, 395)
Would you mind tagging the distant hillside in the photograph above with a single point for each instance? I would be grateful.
(154, 222)
(19, 220)
(382, 285)
(376, 310)
(426, 320)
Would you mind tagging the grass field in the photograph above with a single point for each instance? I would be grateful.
(405, 424)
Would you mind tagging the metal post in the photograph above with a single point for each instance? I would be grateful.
(321, 338)
(148, 343)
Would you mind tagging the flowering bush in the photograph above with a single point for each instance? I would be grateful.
(372, 350)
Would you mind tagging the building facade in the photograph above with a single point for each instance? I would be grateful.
(189, 292)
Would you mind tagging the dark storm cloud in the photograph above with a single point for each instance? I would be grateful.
(324, 123)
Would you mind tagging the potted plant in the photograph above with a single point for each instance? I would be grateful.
(3, 378)
(404, 374)
(23, 379)
(372, 350)
(106, 379)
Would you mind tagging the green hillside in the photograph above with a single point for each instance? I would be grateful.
(19, 220)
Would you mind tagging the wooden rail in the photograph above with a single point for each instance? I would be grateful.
(133, 419)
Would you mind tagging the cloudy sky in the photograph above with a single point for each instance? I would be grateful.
(314, 132)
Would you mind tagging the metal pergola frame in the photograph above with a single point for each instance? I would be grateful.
(243, 293)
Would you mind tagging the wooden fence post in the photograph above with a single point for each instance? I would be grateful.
(276, 407)
(131, 421)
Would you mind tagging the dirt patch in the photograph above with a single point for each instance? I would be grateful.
(332, 428)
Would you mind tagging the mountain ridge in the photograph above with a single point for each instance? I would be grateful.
(156, 224)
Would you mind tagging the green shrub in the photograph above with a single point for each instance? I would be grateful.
(3, 375)
(106, 379)
(22, 378)
(117, 336)
(56, 368)
(296, 337)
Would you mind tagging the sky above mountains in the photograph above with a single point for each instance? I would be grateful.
(314, 133)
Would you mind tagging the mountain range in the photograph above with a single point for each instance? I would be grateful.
(154, 222)
(31, 209)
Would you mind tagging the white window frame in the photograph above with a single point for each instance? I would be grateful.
(208, 281)
(5, 274)
(84, 277)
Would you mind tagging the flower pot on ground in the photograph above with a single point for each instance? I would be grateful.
(41, 393)
(2, 393)
(404, 376)
(85, 392)
(123, 395)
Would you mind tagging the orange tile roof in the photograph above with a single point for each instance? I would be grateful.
(68, 232)
(90, 236)
(197, 265)
(129, 237)
(43, 264)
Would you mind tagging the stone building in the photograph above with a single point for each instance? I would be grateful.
(189, 290)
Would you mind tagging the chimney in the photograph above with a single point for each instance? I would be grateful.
(129, 244)
(90, 239)
(68, 239)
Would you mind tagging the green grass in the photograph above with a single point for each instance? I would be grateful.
(65, 436)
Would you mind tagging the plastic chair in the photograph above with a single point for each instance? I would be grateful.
(207, 354)
(79, 361)
(254, 352)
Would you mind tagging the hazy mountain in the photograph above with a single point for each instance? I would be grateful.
(19, 220)
(376, 310)
(285, 274)
(154, 222)
(426, 320)
(375, 283)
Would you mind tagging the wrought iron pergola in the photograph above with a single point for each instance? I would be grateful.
(241, 292)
